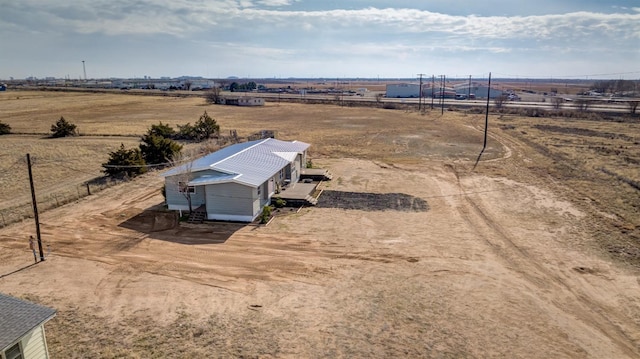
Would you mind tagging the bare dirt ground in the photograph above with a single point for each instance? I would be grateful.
(502, 261)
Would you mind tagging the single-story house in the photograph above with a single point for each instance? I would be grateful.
(236, 182)
(243, 101)
(22, 328)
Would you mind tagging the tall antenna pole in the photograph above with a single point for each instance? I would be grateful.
(84, 69)
(35, 208)
(469, 92)
(420, 95)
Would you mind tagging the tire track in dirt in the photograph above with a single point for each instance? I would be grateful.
(504, 247)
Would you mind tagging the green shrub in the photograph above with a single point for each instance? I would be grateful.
(124, 162)
(159, 151)
(162, 130)
(265, 215)
(279, 203)
(63, 128)
(5, 129)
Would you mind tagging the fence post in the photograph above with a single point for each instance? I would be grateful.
(88, 190)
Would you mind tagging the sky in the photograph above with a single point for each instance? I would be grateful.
(580, 39)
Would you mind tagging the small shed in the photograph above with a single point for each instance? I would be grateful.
(22, 328)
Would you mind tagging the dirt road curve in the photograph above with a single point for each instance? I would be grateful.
(490, 267)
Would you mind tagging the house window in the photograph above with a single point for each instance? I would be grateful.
(13, 352)
(183, 188)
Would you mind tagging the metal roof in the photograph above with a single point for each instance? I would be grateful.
(250, 163)
(19, 317)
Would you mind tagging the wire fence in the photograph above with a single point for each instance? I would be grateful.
(47, 200)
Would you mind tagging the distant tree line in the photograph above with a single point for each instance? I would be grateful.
(615, 86)
(247, 86)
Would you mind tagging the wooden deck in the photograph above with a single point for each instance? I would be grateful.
(300, 194)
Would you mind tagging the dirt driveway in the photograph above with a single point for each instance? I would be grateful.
(482, 267)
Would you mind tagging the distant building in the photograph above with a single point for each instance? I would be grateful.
(476, 89)
(438, 92)
(243, 101)
(409, 90)
(405, 90)
(198, 84)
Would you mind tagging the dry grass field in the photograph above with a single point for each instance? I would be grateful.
(61, 166)
(533, 253)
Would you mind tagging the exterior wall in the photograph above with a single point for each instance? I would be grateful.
(265, 195)
(403, 90)
(251, 101)
(35, 345)
(304, 159)
(232, 202)
(298, 167)
(479, 91)
(177, 200)
(243, 101)
(287, 172)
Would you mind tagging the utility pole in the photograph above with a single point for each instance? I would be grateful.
(84, 69)
(420, 95)
(486, 118)
(486, 124)
(433, 95)
(469, 92)
(35, 208)
(444, 81)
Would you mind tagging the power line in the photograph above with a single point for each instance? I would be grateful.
(420, 95)
(568, 76)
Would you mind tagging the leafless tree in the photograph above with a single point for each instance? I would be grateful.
(556, 102)
(500, 100)
(633, 105)
(184, 161)
(583, 104)
(213, 96)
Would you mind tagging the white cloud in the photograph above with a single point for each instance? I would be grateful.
(275, 2)
(265, 29)
(182, 17)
